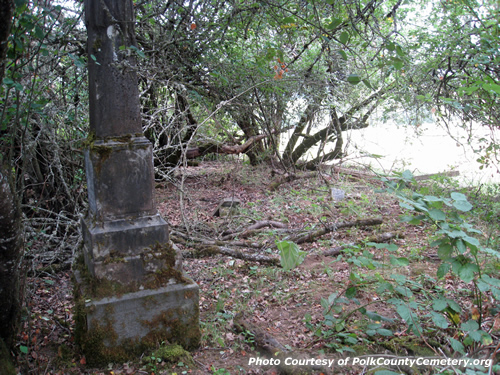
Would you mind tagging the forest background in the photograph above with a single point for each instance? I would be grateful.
(281, 82)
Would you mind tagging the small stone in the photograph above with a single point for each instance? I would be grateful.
(226, 202)
(338, 194)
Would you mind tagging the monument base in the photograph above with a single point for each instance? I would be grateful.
(122, 327)
(128, 251)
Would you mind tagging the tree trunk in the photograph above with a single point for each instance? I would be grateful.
(6, 12)
(247, 124)
(10, 249)
(304, 120)
(10, 258)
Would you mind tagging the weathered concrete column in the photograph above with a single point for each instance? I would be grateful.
(131, 291)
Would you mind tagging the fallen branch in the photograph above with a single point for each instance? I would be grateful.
(289, 177)
(359, 175)
(202, 242)
(253, 229)
(371, 176)
(210, 148)
(312, 236)
(383, 237)
(428, 176)
(207, 250)
(334, 251)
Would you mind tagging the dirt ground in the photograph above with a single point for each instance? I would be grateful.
(284, 304)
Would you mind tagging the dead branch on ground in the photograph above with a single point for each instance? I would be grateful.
(209, 148)
(361, 175)
(207, 250)
(313, 235)
(254, 228)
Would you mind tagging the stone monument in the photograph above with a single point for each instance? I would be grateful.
(130, 290)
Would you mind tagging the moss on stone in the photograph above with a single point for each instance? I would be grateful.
(100, 288)
(167, 254)
(168, 326)
(100, 342)
(171, 355)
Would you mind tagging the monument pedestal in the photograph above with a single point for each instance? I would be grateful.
(122, 326)
(131, 292)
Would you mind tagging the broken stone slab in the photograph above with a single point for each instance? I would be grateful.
(231, 203)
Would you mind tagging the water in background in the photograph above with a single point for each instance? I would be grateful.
(428, 149)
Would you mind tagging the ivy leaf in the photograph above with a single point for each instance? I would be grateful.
(443, 269)
(343, 54)
(354, 79)
(344, 37)
(335, 22)
(466, 272)
(439, 320)
(444, 251)
(457, 346)
(399, 262)
(437, 215)
(439, 304)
